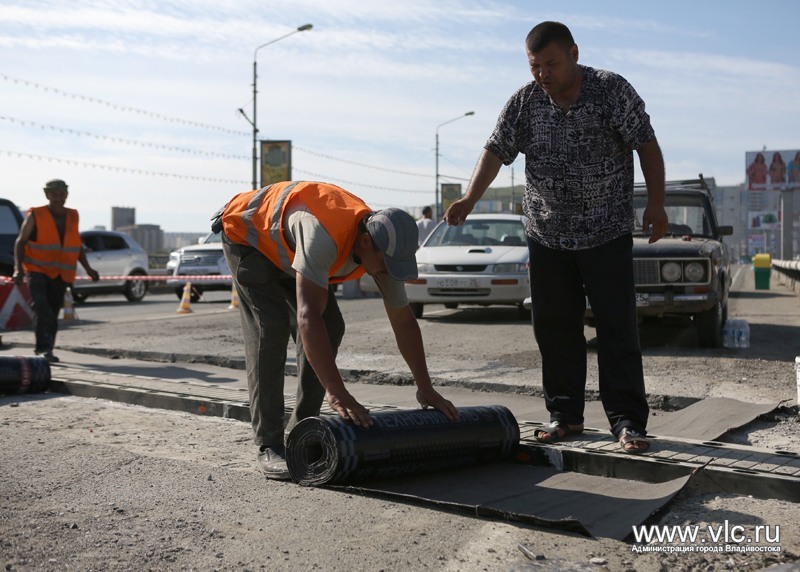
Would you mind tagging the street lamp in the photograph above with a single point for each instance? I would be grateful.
(254, 122)
(437, 214)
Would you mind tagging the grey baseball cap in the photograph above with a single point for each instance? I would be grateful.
(396, 234)
(55, 185)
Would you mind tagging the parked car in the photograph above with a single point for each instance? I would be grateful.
(686, 273)
(116, 254)
(10, 222)
(482, 262)
(203, 259)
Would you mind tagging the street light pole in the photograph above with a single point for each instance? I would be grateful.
(254, 122)
(437, 214)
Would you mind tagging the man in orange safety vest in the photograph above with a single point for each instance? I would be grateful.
(47, 250)
(286, 244)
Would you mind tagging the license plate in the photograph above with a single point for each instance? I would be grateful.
(457, 283)
(642, 301)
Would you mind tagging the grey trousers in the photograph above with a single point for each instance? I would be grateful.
(268, 309)
(47, 299)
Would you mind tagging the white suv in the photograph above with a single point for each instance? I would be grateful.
(202, 259)
(112, 253)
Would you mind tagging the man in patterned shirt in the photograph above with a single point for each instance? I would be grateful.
(577, 127)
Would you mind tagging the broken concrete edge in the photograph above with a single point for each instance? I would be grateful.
(160, 357)
(372, 377)
(706, 478)
(186, 403)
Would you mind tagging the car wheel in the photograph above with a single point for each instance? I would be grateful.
(709, 326)
(135, 289)
(417, 308)
(451, 305)
(79, 296)
(523, 312)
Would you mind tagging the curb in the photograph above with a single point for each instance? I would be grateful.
(370, 377)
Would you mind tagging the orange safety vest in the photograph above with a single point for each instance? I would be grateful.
(256, 218)
(47, 254)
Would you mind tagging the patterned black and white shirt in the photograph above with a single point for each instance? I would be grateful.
(579, 164)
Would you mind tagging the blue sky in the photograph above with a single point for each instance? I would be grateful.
(134, 102)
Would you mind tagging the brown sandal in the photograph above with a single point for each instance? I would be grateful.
(630, 437)
(556, 431)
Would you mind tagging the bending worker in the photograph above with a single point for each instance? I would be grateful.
(285, 245)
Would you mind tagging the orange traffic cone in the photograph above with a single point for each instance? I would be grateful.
(234, 298)
(186, 300)
(69, 306)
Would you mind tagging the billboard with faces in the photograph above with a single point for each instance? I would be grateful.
(772, 170)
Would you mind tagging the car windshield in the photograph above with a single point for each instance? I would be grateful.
(213, 237)
(482, 232)
(686, 214)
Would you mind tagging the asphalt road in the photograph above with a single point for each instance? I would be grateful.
(480, 348)
(93, 485)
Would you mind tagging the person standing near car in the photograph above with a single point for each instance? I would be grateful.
(425, 224)
(578, 127)
(47, 251)
(286, 244)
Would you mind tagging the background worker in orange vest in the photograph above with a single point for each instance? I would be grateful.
(285, 245)
(47, 250)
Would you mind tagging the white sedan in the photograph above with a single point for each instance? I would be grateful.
(482, 262)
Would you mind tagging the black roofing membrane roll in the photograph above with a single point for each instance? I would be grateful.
(24, 374)
(329, 450)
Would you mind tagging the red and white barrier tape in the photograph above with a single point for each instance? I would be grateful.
(164, 277)
(156, 278)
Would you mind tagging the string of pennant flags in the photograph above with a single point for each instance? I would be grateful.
(317, 176)
(118, 169)
(74, 162)
(118, 107)
(123, 140)
(160, 116)
(29, 123)
(332, 158)
(175, 148)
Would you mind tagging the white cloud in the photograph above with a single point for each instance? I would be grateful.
(368, 84)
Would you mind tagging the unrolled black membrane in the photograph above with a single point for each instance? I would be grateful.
(330, 450)
(24, 374)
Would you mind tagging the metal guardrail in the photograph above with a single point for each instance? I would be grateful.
(789, 268)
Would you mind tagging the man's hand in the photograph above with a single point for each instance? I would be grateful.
(485, 172)
(654, 222)
(457, 212)
(349, 409)
(93, 274)
(432, 398)
(18, 277)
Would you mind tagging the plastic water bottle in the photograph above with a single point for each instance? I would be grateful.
(736, 334)
(728, 334)
(743, 334)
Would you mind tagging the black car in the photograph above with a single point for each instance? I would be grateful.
(686, 273)
(10, 223)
